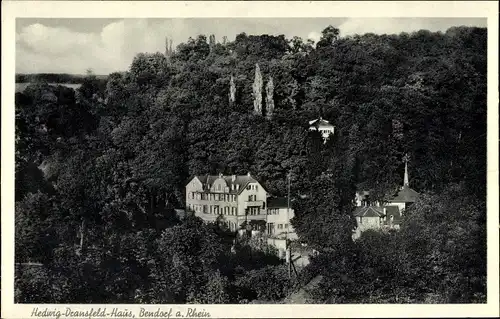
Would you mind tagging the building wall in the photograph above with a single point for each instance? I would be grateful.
(365, 223)
(280, 244)
(256, 205)
(277, 217)
(401, 205)
(209, 205)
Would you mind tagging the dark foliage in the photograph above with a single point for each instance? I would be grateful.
(99, 170)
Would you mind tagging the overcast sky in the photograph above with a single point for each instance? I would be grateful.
(108, 45)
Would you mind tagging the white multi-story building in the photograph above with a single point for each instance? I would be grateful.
(238, 198)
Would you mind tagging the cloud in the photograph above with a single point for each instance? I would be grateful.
(56, 49)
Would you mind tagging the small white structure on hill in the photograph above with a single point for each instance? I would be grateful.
(323, 126)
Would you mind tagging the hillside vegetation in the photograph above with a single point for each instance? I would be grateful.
(100, 170)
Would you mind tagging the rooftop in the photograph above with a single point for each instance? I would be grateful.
(240, 181)
(378, 211)
(277, 202)
(320, 122)
(406, 195)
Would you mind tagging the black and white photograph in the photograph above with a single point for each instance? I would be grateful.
(249, 160)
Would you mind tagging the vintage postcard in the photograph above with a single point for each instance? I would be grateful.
(249, 159)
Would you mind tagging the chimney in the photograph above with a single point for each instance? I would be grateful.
(233, 178)
(248, 174)
(385, 211)
(220, 175)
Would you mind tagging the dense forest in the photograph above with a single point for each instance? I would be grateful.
(100, 170)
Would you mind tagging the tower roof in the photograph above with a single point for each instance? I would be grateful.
(406, 195)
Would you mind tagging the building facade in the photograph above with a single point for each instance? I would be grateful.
(238, 198)
(278, 226)
(278, 219)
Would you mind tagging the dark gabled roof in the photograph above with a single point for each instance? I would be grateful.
(405, 195)
(277, 202)
(241, 180)
(377, 211)
(369, 211)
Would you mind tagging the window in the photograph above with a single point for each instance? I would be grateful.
(361, 220)
(249, 187)
(256, 187)
(280, 226)
(270, 228)
(286, 226)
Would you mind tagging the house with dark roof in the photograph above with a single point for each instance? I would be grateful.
(375, 216)
(238, 198)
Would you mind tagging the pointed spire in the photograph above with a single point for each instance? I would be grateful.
(406, 180)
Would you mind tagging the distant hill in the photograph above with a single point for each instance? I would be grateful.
(21, 86)
(54, 78)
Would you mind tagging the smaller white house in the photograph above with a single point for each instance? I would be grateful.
(373, 215)
(278, 226)
(323, 126)
(278, 219)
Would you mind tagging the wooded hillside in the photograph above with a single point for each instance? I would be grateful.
(99, 170)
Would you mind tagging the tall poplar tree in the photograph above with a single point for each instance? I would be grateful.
(232, 90)
(257, 91)
(270, 98)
